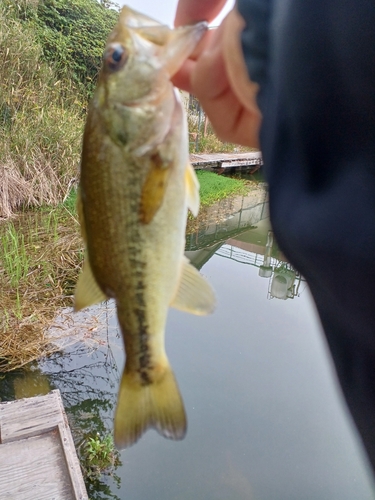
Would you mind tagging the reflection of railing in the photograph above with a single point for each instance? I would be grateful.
(284, 280)
(242, 256)
(239, 216)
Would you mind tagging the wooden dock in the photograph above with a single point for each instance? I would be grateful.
(38, 460)
(221, 161)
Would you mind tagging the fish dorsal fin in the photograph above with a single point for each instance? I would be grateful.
(153, 190)
(192, 188)
(194, 294)
(87, 292)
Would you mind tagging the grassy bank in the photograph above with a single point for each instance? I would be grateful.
(40, 121)
(50, 55)
(217, 187)
(41, 254)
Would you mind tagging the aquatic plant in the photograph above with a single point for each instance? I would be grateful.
(98, 456)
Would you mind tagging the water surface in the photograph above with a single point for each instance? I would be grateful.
(265, 418)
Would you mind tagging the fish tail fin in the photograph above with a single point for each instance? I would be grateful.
(155, 405)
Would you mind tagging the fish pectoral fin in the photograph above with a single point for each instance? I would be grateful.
(192, 188)
(155, 405)
(87, 292)
(194, 294)
(153, 190)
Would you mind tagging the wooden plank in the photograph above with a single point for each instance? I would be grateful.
(226, 160)
(34, 422)
(34, 469)
(29, 417)
(240, 163)
(72, 463)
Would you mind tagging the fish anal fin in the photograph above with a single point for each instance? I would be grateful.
(153, 190)
(87, 292)
(192, 188)
(156, 405)
(194, 294)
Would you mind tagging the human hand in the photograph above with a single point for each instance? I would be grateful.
(216, 74)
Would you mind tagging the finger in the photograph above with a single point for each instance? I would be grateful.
(239, 127)
(238, 76)
(182, 79)
(209, 77)
(231, 120)
(203, 44)
(190, 11)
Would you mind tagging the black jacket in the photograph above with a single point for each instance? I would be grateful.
(315, 63)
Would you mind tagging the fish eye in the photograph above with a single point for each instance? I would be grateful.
(115, 57)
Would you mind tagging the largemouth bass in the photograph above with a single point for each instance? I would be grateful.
(136, 186)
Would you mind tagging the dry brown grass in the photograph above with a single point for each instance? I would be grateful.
(41, 123)
(53, 250)
(14, 189)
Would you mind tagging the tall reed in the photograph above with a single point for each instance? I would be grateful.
(41, 121)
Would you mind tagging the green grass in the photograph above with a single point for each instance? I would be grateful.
(13, 254)
(217, 187)
(70, 202)
(213, 188)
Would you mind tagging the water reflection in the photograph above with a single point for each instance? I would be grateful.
(266, 421)
(284, 280)
(31, 382)
(238, 229)
(88, 379)
(227, 218)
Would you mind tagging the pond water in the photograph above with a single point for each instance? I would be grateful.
(265, 418)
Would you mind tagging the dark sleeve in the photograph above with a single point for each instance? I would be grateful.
(255, 37)
(315, 63)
